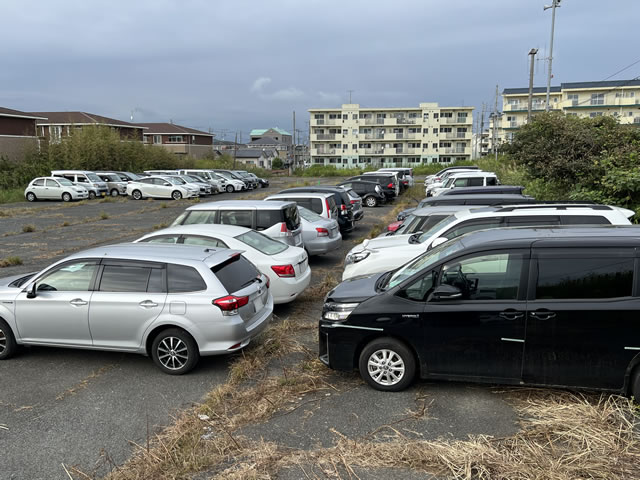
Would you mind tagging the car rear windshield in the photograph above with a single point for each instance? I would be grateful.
(235, 273)
(262, 243)
(308, 215)
(196, 217)
(291, 217)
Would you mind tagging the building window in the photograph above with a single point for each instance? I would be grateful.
(595, 114)
(354, 116)
(435, 116)
(176, 139)
(574, 98)
(446, 115)
(157, 139)
(625, 94)
(345, 132)
(354, 132)
(333, 116)
(597, 99)
(354, 147)
(55, 132)
(435, 131)
(434, 145)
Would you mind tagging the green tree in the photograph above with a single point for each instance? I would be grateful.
(277, 164)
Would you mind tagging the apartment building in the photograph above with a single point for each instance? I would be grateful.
(178, 139)
(618, 98)
(352, 136)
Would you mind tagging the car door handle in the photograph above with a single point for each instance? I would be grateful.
(511, 315)
(544, 315)
(77, 302)
(148, 304)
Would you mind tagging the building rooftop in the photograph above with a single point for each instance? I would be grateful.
(604, 84)
(525, 91)
(172, 128)
(256, 132)
(8, 112)
(80, 118)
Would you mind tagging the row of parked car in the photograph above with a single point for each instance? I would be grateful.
(492, 287)
(204, 286)
(452, 178)
(68, 185)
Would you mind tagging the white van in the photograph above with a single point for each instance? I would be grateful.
(467, 179)
(89, 180)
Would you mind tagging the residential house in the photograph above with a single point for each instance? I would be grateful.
(57, 125)
(178, 139)
(17, 132)
(254, 157)
(351, 136)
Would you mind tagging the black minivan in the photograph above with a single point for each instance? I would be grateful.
(346, 218)
(523, 306)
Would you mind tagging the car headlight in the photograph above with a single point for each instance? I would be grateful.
(338, 312)
(356, 257)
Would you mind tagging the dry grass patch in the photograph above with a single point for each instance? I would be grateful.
(28, 228)
(10, 262)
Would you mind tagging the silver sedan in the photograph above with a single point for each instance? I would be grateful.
(319, 235)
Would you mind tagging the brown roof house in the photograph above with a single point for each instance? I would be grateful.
(57, 125)
(17, 132)
(254, 157)
(178, 139)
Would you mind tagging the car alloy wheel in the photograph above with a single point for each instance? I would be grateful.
(7, 341)
(387, 364)
(371, 201)
(114, 193)
(174, 351)
(31, 197)
(176, 195)
(137, 195)
(92, 195)
(66, 197)
(229, 188)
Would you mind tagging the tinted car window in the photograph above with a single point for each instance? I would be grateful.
(262, 243)
(584, 277)
(532, 220)
(157, 283)
(181, 278)
(117, 278)
(486, 277)
(268, 218)
(475, 182)
(236, 273)
(584, 220)
(472, 226)
(205, 241)
(242, 218)
(492, 181)
(72, 277)
(291, 217)
(197, 217)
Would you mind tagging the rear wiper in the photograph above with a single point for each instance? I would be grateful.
(253, 280)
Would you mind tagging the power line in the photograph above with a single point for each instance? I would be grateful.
(620, 71)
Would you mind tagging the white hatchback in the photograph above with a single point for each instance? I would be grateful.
(286, 266)
(159, 187)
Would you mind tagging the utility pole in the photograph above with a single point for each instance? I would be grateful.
(482, 128)
(350, 92)
(293, 160)
(532, 54)
(495, 126)
(235, 150)
(554, 4)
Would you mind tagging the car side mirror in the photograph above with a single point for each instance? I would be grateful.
(446, 292)
(31, 293)
(439, 241)
(167, 184)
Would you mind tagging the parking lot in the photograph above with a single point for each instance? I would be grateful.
(61, 409)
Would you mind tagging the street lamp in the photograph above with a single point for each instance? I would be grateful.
(554, 4)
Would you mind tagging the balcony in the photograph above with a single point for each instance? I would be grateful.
(321, 121)
(456, 120)
(374, 136)
(373, 151)
(458, 135)
(404, 120)
(326, 136)
(325, 151)
(455, 150)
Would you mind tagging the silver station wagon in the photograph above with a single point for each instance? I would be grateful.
(172, 302)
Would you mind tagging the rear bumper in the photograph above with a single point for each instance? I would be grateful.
(358, 215)
(285, 290)
(322, 245)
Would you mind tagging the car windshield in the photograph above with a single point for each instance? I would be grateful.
(64, 181)
(262, 243)
(111, 177)
(195, 178)
(226, 175)
(174, 180)
(405, 225)
(422, 262)
(131, 176)
(429, 232)
(93, 177)
(308, 215)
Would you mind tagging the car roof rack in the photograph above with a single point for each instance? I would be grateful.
(557, 206)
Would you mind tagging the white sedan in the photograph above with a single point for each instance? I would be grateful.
(286, 266)
(159, 187)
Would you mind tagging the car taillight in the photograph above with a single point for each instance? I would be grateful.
(284, 270)
(230, 304)
(343, 207)
(268, 282)
(322, 232)
(390, 185)
(353, 201)
(284, 230)
(326, 201)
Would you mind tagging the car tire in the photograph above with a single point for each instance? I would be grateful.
(66, 197)
(634, 386)
(8, 345)
(169, 349)
(137, 195)
(31, 197)
(176, 195)
(229, 188)
(114, 193)
(371, 201)
(92, 195)
(387, 364)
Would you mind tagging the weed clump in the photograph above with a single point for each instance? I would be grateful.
(28, 228)
(10, 262)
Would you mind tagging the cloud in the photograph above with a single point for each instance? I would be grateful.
(329, 97)
(260, 83)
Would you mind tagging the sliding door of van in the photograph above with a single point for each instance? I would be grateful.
(581, 317)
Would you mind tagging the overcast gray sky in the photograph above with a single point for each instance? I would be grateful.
(244, 64)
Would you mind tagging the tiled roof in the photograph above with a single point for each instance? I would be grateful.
(80, 118)
(256, 132)
(8, 112)
(266, 141)
(253, 152)
(172, 128)
(605, 84)
(524, 91)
